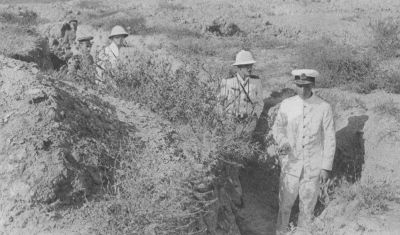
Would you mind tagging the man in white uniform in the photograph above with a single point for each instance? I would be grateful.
(305, 133)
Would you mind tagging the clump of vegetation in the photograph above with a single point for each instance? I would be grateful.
(132, 24)
(17, 40)
(340, 65)
(170, 6)
(346, 67)
(169, 187)
(373, 196)
(89, 4)
(22, 18)
(386, 34)
(391, 110)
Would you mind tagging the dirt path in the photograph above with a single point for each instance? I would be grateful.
(260, 195)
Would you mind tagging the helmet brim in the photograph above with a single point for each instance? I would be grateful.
(123, 34)
(244, 63)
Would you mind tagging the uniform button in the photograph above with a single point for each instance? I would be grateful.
(303, 146)
(304, 137)
(304, 126)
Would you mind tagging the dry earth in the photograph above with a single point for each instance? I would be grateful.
(43, 123)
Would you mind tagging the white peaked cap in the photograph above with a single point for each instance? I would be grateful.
(243, 58)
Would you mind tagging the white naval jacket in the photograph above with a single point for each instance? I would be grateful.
(234, 96)
(308, 127)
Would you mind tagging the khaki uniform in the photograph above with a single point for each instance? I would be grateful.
(107, 59)
(308, 127)
(241, 97)
(79, 62)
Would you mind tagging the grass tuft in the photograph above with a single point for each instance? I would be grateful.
(22, 18)
(386, 33)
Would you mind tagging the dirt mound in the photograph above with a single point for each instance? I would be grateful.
(54, 142)
(25, 44)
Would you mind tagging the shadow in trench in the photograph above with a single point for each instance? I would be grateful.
(260, 185)
(349, 156)
(260, 181)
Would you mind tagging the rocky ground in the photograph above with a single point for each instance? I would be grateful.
(56, 135)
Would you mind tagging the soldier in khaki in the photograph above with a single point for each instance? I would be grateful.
(241, 95)
(82, 60)
(305, 133)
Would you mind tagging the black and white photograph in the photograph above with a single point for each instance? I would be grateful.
(199, 117)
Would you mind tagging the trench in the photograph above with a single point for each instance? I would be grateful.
(260, 180)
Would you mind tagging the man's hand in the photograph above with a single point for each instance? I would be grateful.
(284, 149)
(323, 176)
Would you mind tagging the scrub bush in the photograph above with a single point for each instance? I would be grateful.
(107, 20)
(169, 185)
(339, 65)
(16, 40)
(373, 196)
(386, 32)
(22, 18)
(170, 6)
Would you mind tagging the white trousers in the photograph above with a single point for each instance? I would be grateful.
(290, 187)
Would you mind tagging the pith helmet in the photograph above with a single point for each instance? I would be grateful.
(304, 76)
(243, 58)
(117, 31)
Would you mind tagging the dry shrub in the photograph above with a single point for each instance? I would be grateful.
(176, 32)
(388, 81)
(386, 32)
(195, 46)
(340, 65)
(170, 6)
(168, 186)
(374, 197)
(17, 40)
(22, 18)
(133, 24)
(391, 110)
(89, 4)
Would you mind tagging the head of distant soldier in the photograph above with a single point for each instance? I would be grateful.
(74, 24)
(304, 79)
(244, 63)
(85, 44)
(118, 35)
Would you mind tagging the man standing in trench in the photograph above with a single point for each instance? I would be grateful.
(241, 95)
(108, 58)
(305, 133)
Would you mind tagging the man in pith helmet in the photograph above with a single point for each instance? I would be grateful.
(305, 134)
(109, 57)
(241, 95)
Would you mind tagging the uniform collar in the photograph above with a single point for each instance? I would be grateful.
(309, 100)
(241, 80)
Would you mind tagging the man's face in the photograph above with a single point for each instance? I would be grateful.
(304, 90)
(85, 46)
(245, 70)
(119, 40)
